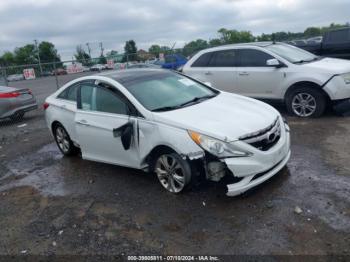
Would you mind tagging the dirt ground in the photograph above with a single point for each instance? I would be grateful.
(54, 205)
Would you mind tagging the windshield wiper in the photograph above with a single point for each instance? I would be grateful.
(196, 99)
(165, 108)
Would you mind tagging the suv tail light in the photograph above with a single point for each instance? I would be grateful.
(9, 95)
(46, 105)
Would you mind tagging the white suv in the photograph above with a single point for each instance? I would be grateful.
(266, 70)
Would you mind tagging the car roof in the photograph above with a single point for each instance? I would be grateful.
(251, 44)
(123, 76)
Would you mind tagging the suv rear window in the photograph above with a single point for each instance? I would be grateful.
(224, 58)
(253, 58)
(203, 60)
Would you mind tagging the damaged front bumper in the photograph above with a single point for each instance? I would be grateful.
(251, 181)
(259, 167)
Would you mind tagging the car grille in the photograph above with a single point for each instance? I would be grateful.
(266, 138)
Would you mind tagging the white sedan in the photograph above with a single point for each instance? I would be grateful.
(167, 123)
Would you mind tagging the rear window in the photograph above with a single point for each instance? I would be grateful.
(203, 60)
(224, 58)
(70, 93)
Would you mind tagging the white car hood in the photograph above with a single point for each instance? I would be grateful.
(333, 65)
(226, 117)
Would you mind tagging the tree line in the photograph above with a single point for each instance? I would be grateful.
(28, 54)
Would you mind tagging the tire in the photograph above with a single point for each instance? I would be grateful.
(17, 116)
(306, 102)
(173, 172)
(63, 141)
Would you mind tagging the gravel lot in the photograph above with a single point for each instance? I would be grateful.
(51, 204)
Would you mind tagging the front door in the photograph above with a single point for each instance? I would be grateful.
(218, 69)
(101, 113)
(255, 78)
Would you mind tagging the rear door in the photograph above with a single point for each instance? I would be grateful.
(255, 78)
(218, 68)
(66, 102)
(101, 113)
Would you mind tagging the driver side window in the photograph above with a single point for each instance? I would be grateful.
(253, 58)
(100, 99)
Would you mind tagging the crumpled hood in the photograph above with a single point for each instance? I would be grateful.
(330, 65)
(226, 116)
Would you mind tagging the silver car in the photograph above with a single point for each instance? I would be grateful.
(15, 102)
(16, 77)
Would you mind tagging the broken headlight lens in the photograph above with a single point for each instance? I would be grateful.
(346, 78)
(217, 147)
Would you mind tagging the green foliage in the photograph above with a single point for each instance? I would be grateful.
(25, 55)
(312, 31)
(28, 54)
(102, 60)
(81, 56)
(48, 52)
(154, 50)
(233, 36)
(7, 59)
(194, 46)
(130, 50)
(214, 42)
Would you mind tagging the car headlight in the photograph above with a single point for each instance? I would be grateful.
(346, 78)
(217, 147)
(286, 124)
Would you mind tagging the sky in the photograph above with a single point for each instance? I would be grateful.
(166, 22)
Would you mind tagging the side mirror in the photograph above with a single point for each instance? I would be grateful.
(125, 133)
(273, 62)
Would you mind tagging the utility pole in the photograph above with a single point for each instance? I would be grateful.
(37, 50)
(89, 50)
(101, 46)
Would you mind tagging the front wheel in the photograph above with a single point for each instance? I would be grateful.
(173, 172)
(306, 102)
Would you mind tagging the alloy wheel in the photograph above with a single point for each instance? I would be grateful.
(62, 139)
(304, 104)
(170, 173)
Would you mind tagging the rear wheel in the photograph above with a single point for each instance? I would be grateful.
(64, 143)
(306, 102)
(173, 172)
(17, 116)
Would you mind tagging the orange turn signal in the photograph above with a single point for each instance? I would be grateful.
(195, 137)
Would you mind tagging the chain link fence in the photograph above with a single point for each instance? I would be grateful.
(23, 88)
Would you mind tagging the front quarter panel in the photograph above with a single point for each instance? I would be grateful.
(293, 77)
(153, 134)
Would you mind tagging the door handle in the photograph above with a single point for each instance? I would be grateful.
(243, 73)
(82, 122)
(208, 73)
(63, 106)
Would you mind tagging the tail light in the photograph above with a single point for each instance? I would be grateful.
(46, 105)
(9, 95)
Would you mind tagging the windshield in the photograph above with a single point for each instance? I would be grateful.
(163, 91)
(291, 53)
